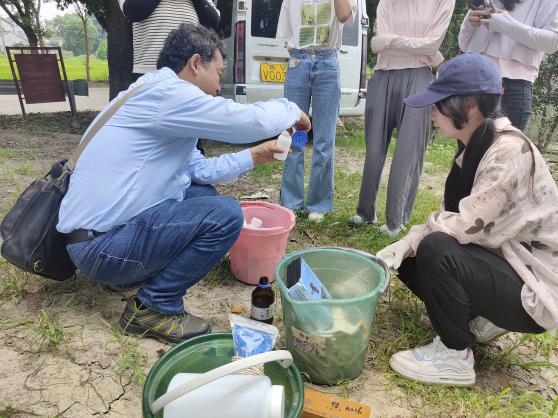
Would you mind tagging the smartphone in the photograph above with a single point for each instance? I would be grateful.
(475, 4)
(488, 5)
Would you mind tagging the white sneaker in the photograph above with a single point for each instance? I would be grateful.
(316, 216)
(436, 364)
(484, 330)
(358, 220)
(384, 229)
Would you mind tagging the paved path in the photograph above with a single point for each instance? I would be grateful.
(97, 99)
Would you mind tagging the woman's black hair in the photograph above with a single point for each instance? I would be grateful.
(509, 5)
(460, 179)
(185, 41)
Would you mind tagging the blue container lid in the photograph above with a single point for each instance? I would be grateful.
(299, 139)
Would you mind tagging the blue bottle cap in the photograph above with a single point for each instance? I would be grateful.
(299, 139)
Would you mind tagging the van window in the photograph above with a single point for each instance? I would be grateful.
(265, 16)
(350, 33)
(225, 23)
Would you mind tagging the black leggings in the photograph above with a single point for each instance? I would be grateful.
(460, 282)
(517, 101)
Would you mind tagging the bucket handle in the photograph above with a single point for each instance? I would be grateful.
(377, 260)
(284, 357)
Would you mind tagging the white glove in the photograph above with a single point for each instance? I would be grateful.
(394, 254)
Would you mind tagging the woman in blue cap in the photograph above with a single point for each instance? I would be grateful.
(488, 261)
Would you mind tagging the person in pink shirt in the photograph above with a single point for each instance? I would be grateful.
(515, 36)
(488, 261)
(408, 37)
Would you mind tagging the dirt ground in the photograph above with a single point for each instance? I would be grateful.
(87, 371)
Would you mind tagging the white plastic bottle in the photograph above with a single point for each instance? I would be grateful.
(283, 142)
(233, 396)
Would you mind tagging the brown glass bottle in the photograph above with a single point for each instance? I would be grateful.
(263, 302)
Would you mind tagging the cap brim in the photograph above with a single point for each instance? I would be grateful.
(425, 98)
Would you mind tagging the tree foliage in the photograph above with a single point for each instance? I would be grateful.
(119, 40)
(545, 103)
(70, 28)
(101, 52)
(25, 14)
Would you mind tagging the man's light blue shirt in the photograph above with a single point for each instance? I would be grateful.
(146, 153)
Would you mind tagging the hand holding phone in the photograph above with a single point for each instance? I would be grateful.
(476, 4)
(487, 5)
(476, 17)
(490, 6)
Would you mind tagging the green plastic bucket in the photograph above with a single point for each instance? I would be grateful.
(328, 338)
(207, 352)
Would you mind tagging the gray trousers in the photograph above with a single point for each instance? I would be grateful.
(385, 111)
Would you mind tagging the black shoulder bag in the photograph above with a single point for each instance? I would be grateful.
(30, 238)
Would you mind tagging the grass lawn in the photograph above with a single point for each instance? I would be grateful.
(75, 68)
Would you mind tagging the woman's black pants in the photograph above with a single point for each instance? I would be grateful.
(460, 282)
(517, 101)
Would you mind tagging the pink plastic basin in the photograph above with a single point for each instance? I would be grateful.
(258, 250)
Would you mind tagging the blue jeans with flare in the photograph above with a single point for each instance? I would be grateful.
(313, 77)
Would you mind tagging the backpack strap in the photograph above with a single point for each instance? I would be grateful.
(99, 123)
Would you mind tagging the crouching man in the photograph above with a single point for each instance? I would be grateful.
(140, 205)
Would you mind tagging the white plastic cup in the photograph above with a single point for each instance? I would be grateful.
(256, 222)
(283, 142)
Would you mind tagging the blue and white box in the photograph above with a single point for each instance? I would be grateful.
(308, 286)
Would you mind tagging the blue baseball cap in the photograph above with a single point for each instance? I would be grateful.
(464, 75)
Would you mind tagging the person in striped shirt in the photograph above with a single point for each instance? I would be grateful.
(153, 20)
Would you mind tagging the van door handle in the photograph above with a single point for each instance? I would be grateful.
(342, 51)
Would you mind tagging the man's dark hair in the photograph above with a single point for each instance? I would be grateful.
(184, 42)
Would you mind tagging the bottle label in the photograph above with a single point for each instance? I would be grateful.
(263, 314)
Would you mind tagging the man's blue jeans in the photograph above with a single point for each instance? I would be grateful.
(170, 247)
(313, 77)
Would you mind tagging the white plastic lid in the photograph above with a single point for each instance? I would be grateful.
(277, 402)
(256, 222)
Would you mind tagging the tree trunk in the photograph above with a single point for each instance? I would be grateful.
(31, 36)
(39, 26)
(119, 47)
(86, 39)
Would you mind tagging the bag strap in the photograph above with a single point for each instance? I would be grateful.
(71, 163)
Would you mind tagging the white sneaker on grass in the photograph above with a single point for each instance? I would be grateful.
(436, 364)
(359, 220)
(484, 330)
(316, 216)
(385, 230)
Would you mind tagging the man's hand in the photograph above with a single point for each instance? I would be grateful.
(303, 123)
(477, 17)
(394, 254)
(263, 153)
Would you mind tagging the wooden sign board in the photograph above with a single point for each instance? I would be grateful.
(40, 78)
(323, 405)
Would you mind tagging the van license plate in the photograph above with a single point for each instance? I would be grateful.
(274, 73)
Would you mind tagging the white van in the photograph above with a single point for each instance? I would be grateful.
(256, 62)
